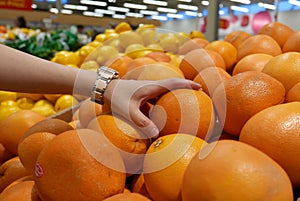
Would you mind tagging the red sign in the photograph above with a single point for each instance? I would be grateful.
(16, 4)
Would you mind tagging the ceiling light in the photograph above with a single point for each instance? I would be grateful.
(118, 16)
(103, 11)
(267, 6)
(188, 1)
(75, 7)
(173, 15)
(166, 10)
(137, 15)
(135, 6)
(53, 10)
(66, 11)
(187, 7)
(94, 3)
(89, 13)
(159, 17)
(238, 8)
(155, 2)
(205, 3)
(294, 2)
(242, 1)
(120, 9)
(191, 13)
(149, 12)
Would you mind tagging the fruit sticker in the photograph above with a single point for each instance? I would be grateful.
(39, 172)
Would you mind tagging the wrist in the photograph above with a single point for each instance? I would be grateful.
(104, 78)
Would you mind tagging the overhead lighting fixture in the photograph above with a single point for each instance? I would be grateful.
(267, 6)
(103, 11)
(149, 12)
(118, 16)
(89, 13)
(191, 13)
(238, 8)
(294, 2)
(135, 6)
(136, 15)
(94, 3)
(187, 7)
(173, 15)
(155, 2)
(205, 3)
(75, 7)
(166, 10)
(187, 1)
(53, 10)
(242, 1)
(159, 17)
(66, 11)
(120, 9)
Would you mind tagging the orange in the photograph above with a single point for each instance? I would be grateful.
(232, 170)
(159, 56)
(29, 177)
(32, 96)
(14, 126)
(291, 44)
(11, 170)
(196, 60)
(165, 163)
(4, 154)
(254, 62)
(226, 50)
(127, 197)
(210, 78)
(184, 111)
(138, 185)
(259, 43)
(79, 165)
(138, 62)
(156, 71)
(275, 132)
(277, 30)
(243, 95)
(23, 191)
(120, 64)
(55, 126)
(131, 142)
(285, 68)
(52, 97)
(88, 110)
(194, 43)
(30, 147)
(236, 37)
(293, 94)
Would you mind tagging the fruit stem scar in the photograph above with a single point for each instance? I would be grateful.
(158, 142)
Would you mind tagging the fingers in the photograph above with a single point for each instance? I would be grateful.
(177, 83)
(142, 122)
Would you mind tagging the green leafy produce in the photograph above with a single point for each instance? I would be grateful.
(46, 44)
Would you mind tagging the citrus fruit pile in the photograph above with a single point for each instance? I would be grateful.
(45, 104)
(236, 139)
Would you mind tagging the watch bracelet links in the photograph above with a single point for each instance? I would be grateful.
(104, 76)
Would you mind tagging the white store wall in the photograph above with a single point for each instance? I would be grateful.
(289, 18)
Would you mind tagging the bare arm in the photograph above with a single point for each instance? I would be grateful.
(22, 72)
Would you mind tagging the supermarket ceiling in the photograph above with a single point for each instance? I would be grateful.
(162, 10)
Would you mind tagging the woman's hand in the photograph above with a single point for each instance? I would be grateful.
(127, 96)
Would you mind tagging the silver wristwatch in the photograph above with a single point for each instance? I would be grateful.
(105, 75)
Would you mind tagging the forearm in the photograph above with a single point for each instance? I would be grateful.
(22, 72)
